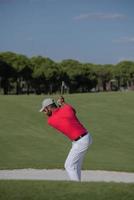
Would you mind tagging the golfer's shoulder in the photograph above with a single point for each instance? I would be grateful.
(67, 107)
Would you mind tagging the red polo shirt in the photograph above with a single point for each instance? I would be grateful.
(64, 120)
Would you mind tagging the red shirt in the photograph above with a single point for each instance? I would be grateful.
(64, 120)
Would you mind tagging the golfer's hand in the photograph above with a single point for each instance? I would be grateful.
(61, 101)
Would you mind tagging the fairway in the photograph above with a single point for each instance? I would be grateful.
(26, 141)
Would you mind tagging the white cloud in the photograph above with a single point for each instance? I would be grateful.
(99, 16)
(124, 40)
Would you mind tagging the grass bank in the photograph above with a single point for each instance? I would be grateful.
(47, 190)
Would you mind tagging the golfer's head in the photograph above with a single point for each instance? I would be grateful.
(48, 105)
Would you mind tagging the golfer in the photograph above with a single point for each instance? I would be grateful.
(63, 118)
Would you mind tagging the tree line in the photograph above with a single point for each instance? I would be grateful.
(22, 75)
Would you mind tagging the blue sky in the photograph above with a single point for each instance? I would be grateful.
(96, 31)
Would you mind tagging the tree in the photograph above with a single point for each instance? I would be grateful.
(6, 72)
(45, 74)
(89, 77)
(104, 74)
(39, 74)
(71, 70)
(124, 73)
(22, 69)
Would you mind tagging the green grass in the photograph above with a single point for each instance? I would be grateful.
(26, 141)
(46, 190)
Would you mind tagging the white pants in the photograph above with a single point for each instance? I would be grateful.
(75, 157)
